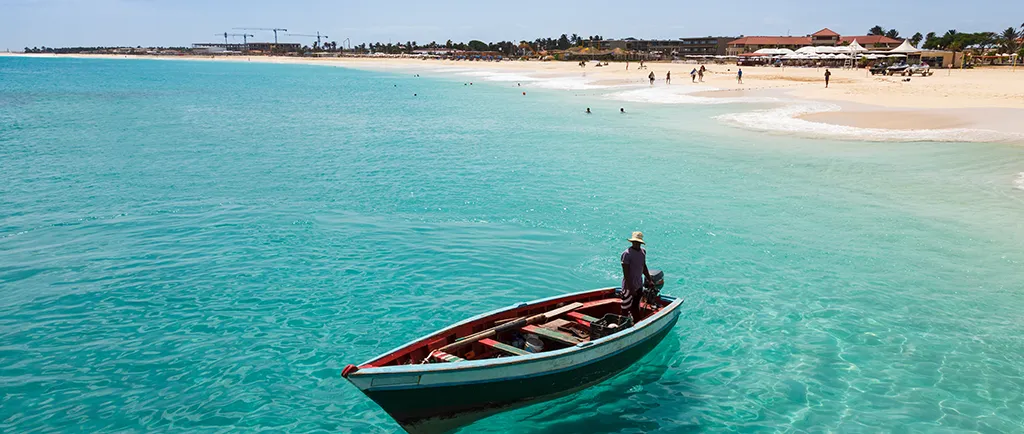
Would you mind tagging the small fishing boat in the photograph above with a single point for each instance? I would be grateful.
(512, 357)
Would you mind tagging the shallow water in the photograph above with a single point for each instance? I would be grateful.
(192, 247)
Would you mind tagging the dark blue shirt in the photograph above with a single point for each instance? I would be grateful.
(635, 258)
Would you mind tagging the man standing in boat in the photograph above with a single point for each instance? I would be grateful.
(634, 269)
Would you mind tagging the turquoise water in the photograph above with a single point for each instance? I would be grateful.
(200, 247)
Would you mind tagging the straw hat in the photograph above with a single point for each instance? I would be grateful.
(638, 237)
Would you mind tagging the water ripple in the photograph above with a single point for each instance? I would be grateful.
(199, 247)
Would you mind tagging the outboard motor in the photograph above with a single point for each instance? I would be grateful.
(650, 295)
(659, 278)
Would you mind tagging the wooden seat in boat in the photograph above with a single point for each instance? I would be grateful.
(553, 335)
(445, 357)
(555, 324)
(505, 348)
(602, 302)
(582, 317)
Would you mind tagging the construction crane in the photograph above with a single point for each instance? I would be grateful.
(263, 28)
(318, 36)
(245, 37)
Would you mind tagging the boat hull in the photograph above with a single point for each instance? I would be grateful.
(438, 398)
(439, 409)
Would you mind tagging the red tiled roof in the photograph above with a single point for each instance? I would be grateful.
(869, 39)
(825, 32)
(772, 40)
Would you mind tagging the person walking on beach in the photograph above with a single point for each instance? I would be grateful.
(827, 75)
(651, 77)
(634, 269)
(693, 75)
(668, 77)
(700, 74)
(739, 76)
(627, 65)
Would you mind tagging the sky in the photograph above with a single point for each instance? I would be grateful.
(60, 23)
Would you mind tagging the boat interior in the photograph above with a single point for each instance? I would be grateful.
(526, 329)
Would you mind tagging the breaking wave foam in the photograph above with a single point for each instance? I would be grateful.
(786, 119)
(558, 83)
(682, 95)
(1019, 182)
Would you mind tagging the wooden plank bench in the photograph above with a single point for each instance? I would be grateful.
(582, 318)
(505, 348)
(445, 357)
(602, 302)
(556, 336)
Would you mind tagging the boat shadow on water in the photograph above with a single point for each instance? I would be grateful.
(622, 402)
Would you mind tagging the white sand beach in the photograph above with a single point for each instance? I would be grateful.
(990, 100)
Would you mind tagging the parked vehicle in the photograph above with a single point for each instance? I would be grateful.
(878, 68)
(922, 70)
(899, 68)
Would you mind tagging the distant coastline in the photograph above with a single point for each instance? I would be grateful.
(946, 102)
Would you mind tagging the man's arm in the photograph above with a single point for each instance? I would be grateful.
(625, 277)
(647, 274)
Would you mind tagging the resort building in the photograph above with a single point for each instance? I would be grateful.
(217, 47)
(823, 37)
(706, 46)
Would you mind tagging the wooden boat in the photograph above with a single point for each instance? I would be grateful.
(479, 367)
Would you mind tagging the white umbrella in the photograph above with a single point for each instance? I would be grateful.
(773, 51)
(905, 48)
(856, 48)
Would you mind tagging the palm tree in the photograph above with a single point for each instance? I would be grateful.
(930, 41)
(877, 30)
(948, 38)
(1009, 40)
(916, 39)
(893, 33)
(955, 46)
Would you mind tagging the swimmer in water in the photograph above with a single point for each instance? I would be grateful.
(622, 110)
(588, 110)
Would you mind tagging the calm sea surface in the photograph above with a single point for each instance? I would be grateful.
(201, 247)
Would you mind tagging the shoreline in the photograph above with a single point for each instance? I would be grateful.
(970, 105)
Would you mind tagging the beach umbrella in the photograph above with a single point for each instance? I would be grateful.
(905, 48)
(896, 55)
(856, 48)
